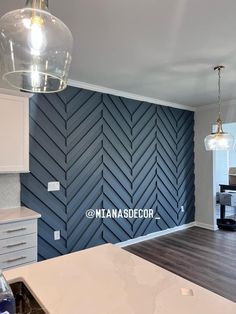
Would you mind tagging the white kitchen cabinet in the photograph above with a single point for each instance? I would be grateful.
(14, 132)
(18, 237)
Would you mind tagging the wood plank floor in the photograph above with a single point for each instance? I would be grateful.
(207, 258)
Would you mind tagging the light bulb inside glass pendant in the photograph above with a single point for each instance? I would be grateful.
(37, 40)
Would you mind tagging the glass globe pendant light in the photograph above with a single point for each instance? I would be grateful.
(219, 140)
(35, 49)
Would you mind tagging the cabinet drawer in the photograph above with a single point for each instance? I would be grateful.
(18, 243)
(17, 258)
(16, 229)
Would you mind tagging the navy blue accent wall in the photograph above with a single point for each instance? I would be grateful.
(107, 152)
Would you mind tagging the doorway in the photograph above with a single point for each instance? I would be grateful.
(222, 162)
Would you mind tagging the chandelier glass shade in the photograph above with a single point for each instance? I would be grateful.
(35, 48)
(219, 140)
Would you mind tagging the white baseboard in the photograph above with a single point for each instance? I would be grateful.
(167, 231)
(206, 226)
(155, 234)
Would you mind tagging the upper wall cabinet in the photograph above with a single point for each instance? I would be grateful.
(14, 132)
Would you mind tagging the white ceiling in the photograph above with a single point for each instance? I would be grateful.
(164, 49)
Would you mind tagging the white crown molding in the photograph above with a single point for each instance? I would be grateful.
(115, 92)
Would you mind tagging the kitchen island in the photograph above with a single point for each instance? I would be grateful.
(108, 280)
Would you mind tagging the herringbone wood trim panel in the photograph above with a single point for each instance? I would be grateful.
(107, 152)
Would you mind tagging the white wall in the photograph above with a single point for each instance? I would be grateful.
(9, 190)
(222, 166)
(204, 119)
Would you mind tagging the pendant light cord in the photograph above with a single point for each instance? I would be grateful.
(219, 92)
(219, 121)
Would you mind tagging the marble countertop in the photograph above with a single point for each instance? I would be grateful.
(109, 280)
(8, 215)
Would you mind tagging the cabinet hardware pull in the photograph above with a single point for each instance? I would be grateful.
(15, 259)
(16, 230)
(13, 245)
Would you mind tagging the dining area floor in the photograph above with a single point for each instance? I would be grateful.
(205, 257)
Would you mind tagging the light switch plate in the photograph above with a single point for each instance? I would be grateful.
(53, 186)
(57, 235)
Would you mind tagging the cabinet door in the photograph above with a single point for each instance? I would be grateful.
(14, 134)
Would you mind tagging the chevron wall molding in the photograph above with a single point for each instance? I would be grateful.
(107, 152)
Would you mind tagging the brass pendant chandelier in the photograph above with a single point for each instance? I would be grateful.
(219, 140)
(35, 49)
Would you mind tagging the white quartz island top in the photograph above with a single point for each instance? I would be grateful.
(8, 215)
(108, 280)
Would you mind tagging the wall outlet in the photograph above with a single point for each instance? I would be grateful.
(186, 292)
(182, 209)
(57, 235)
(53, 186)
